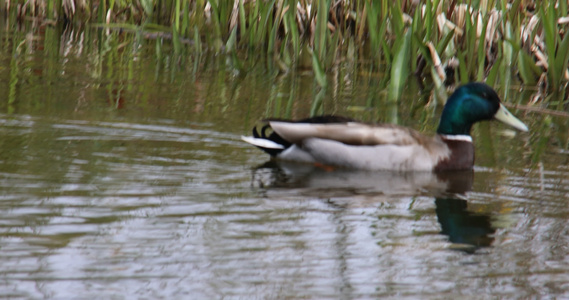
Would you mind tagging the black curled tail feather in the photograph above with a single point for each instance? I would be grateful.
(272, 136)
(267, 133)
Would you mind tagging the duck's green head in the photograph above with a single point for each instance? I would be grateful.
(472, 103)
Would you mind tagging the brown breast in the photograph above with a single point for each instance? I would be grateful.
(461, 157)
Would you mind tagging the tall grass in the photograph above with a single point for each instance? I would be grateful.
(441, 42)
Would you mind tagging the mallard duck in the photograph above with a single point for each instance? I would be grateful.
(343, 142)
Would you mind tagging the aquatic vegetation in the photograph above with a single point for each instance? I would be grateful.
(441, 42)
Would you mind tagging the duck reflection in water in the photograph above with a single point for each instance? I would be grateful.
(467, 230)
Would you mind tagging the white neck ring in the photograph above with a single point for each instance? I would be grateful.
(457, 137)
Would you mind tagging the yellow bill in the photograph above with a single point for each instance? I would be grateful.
(506, 117)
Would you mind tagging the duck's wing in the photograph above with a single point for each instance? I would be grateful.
(350, 144)
(266, 139)
(350, 133)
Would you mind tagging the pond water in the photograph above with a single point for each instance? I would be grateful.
(123, 176)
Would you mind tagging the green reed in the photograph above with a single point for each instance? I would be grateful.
(439, 41)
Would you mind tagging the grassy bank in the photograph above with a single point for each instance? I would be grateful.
(438, 41)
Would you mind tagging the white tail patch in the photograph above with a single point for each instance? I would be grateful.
(263, 143)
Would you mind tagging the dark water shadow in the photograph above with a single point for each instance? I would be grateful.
(466, 230)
